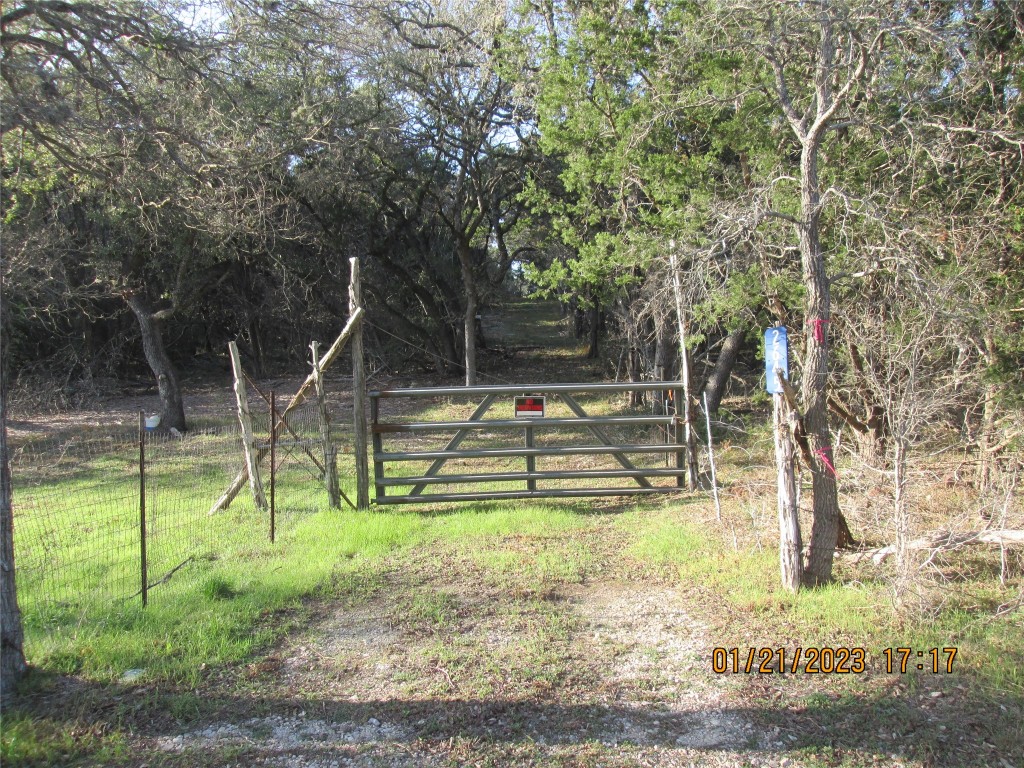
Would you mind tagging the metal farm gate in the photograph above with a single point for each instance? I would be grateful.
(507, 450)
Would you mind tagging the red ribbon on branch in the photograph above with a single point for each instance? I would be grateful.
(825, 454)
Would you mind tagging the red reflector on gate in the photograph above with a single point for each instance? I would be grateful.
(529, 407)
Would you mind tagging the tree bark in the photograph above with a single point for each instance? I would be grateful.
(714, 390)
(594, 327)
(12, 655)
(172, 408)
(814, 386)
(469, 324)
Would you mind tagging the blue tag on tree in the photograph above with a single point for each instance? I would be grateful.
(776, 357)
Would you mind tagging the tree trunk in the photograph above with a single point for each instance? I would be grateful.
(714, 390)
(870, 432)
(12, 655)
(636, 398)
(579, 322)
(594, 327)
(817, 313)
(172, 408)
(901, 515)
(987, 438)
(469, 324)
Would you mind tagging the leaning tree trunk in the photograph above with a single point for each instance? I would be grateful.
(715, 388)
(172, 408)
(814, 387)
(12, 655)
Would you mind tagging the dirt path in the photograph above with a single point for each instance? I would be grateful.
(448, 664)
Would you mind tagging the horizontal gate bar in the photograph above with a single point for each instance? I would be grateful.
(513, 476)
(539, 494)
(519, 389)
(294, 443)
(482, 453)
(448, 426)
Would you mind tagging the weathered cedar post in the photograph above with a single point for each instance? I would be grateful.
(298, 399)
(684, 367)
(355, 303)
(245, 420)
(330, 455)
(790, 545)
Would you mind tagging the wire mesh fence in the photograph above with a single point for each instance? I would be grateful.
(106, 518)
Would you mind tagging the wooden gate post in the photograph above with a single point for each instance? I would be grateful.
(245, 420)
(330, 464)
(684, 375)
(355, 303)
(790, 545)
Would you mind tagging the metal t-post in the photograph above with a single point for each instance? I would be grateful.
(143, 564)
(273, 464)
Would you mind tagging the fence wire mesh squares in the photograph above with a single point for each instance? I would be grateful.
(78, 506)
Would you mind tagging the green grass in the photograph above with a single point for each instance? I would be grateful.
(218, 610)
(35, 741)
(844, 613)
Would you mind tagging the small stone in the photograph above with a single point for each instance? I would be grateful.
(373, 721)
(132, 675)
(936, 694)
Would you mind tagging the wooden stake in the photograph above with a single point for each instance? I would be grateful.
(355, 308)
(330, 467)
(300, 397)
(711, 460)
(245, 420)
(790, 545)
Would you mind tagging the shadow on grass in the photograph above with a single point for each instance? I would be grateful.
(970, 728)
(599, 506)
